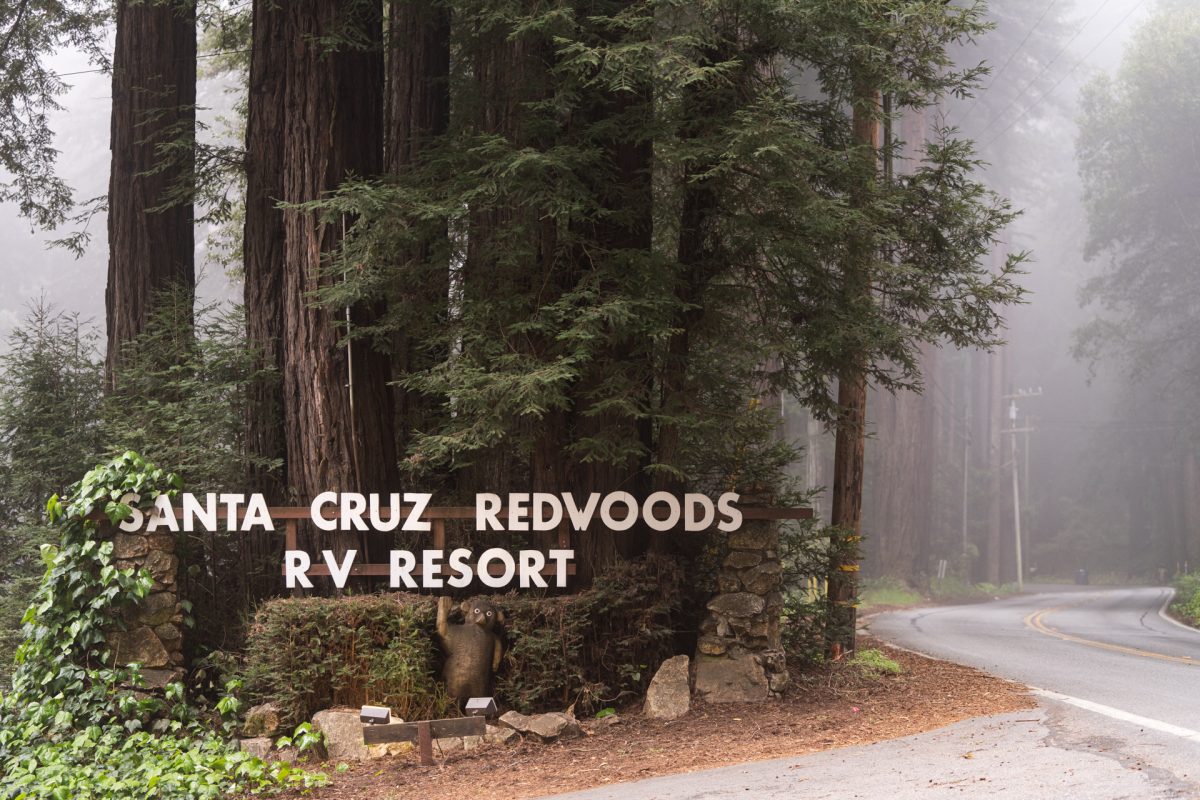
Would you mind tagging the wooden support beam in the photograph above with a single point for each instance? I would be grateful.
(411, 731)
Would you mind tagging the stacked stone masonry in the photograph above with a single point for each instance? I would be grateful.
(153, 635)
(741, 654)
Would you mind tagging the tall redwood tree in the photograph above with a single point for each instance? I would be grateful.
(150, 217)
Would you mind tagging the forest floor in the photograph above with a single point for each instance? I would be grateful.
(837, 706)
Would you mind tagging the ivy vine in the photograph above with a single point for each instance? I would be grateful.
(77, 726)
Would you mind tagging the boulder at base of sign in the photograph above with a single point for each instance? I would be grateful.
(516, 721)
(547, 727)
(343, 733)
(554, 726)
(670, 694)
(731, 679)
(498, 735)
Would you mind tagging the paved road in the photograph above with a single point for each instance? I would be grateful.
(1119, 689)
(1109, 646)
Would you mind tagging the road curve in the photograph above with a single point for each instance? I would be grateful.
(1119, 715)
(1113, 647)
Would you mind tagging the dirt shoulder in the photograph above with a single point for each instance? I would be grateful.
(834, 708)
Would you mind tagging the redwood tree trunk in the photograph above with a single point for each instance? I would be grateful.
(848, 461)
(418, 108)
(150, 249)
(338, 424)
(263, 244)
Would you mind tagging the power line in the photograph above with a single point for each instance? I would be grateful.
(1009, 60)
(1068, 74)
(1044, 69)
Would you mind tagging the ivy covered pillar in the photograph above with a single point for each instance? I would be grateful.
(153, 635)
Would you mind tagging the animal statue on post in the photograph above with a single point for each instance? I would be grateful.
(472, 649)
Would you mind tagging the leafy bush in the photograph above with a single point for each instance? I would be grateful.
(592, 649)
(597, 647)
(804, 550)
(1187, 598)
(77, 726)
(311, 653)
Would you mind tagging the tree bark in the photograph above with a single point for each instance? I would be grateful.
(850, 427)
(150, 218)
(418, 109)
(338, 416)
(263, 245)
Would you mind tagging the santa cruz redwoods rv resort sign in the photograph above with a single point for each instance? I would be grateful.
(438, 567)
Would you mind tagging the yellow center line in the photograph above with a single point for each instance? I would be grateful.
(1036, 622)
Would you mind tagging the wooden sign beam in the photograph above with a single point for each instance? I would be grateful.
(410, 731)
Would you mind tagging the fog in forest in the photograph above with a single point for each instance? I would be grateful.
(1105, 459)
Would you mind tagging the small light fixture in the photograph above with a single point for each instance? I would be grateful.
(374, 715)
(481, 707)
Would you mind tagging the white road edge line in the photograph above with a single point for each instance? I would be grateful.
(1118, 714)
(1162, 612)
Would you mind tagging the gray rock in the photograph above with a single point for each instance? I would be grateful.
(262, 720)
(737, 604)
(161, 541)
(669, 695)
(731, 679)
(728, 581)
(129, 545)
(712, 645)
(140, 645)
(389, 749)
(162, 567)
(156, 609)
(343, 734)
(159, 678)
(258, 746)
(555, 726)
(763, 579)
(495, 735)
(755, 536)
(169, 634)
(451, 744)
(740, 559)
(470, 743)
(516, 721)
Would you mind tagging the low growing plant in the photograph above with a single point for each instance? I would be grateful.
(78, 726)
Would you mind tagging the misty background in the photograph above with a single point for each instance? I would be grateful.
(1092, 491)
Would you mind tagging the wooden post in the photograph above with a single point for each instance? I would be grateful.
(425, 744)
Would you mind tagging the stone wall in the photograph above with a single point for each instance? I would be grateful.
(741, 654)
(154, 627)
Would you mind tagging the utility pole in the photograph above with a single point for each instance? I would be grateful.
(966, 474)
(1016, 479)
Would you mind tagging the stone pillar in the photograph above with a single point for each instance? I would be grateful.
(741, 655)
(154, 627)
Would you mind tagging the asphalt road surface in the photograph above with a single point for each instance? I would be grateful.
(1118, 684)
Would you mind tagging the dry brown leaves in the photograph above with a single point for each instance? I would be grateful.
(834, 708)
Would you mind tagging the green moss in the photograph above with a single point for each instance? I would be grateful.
(874, 664)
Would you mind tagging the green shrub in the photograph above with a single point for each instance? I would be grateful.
(311, 653)
(595, 648)
(1187, 598)
(590, 649)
